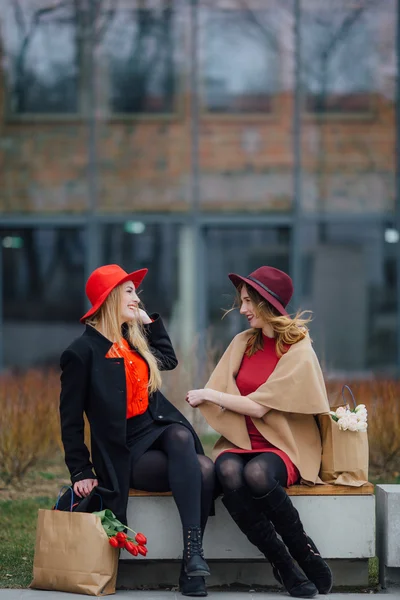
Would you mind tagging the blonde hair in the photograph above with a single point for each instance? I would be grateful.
(287, 330)
(107, 320)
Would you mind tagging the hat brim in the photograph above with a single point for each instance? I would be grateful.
(238, 279)
(136, 277)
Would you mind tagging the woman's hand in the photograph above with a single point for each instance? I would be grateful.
(197, 397)
(143, 316)
(84, 487)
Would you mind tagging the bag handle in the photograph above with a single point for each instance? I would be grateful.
(65, 487)
(96, 494)
(346, 387)
(101, 500)
(68, 487)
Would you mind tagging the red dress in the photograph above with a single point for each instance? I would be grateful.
(253, 372)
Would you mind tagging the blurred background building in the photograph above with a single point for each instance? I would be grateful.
(196, 138)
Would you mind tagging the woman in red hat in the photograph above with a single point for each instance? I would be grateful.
(262, 398)
(138, 439)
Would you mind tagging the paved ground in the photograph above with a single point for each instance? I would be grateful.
(123, 595)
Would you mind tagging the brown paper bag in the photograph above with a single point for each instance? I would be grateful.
(72, 554)
(345, 454)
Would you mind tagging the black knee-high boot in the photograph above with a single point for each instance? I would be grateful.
(260, 532)
(278, 507)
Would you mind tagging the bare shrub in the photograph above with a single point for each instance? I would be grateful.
(29, 421)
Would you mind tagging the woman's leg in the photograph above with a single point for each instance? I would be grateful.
(195, 586)
(266, 475)
(207, 488)
(150, 473)
(184, 476)
(247, 514)
(184, 473)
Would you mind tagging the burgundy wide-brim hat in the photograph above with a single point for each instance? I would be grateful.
(272, 284)
(103, 280)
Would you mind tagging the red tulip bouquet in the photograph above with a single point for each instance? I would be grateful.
(118, 538)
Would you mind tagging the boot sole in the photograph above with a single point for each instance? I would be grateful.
(198, 573)
(308, 596)
(323, 593)
(279, 580)
(194, 595)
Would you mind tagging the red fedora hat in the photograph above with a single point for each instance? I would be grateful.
(103, 280)
(272, 284)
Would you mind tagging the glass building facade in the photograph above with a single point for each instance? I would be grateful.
(198, 138)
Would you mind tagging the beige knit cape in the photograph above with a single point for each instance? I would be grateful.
(293, 394)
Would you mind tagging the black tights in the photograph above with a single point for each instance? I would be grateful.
(171, 464)
(260, 472)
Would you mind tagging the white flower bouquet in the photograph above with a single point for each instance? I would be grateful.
(351, 419)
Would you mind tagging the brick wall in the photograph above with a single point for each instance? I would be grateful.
(246, 162)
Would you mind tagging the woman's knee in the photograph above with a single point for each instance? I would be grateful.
(179, 435)
(228, 468)
(254, 472)
(207, 468)
(259, 478)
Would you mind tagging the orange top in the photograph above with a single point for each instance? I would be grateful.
(137, 378)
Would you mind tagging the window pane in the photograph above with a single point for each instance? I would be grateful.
(137, 245)
(43, 293)
(40, 41)
(340, 61)
(349, 281)
(144, 150)
(348, 143)
(241, 61)
(246, 82)
(241, 251)
(140, 47)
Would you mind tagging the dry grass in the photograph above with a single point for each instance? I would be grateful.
(29, 423)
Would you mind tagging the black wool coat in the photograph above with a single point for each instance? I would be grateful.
(96, 385)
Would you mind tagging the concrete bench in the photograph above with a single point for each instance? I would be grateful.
(340, 519)
(388, 534)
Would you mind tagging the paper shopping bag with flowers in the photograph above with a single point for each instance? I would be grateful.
(78, 552)
(344, 438)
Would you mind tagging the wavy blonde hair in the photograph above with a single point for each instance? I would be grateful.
(107, 321)
(287, 330)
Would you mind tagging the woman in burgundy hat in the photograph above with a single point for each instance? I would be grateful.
(138, 439)
(262, 398)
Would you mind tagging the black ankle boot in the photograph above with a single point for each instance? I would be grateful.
(193, 557)
(260, 532)
(278, 507)
(191, 586)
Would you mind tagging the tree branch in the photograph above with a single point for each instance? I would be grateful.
(271, 37)
(108, 18)
(19, 17)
